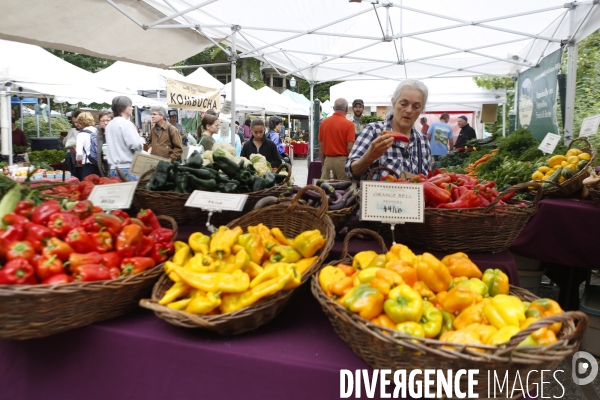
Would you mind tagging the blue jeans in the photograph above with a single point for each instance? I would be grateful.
(125, 171)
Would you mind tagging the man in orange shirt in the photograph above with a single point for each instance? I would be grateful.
(336, 138)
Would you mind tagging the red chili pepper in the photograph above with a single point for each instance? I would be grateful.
(22, 250)
(483, 201)
(57, 247)
(435, 195)
(123, 216)
(16, 272)
(57, 279)
(146, 229)
(95, 179)
(148, 218)
(397, 136)
(161, 252)
(509, 196)
(440, 178)
(83, 209)
(14, 219)
(112, 259)
(467, 200)
(47, 266)
(146, 246)
(25, 208)
(129, 240)
(418, 178)
(62, 223)
(135, 265)
(93, 272)
(38, 235)
(76, 260)
(163, 235)
(42, 214)
(110, 223)
(103, 241)
(80, 240)
(388, 178)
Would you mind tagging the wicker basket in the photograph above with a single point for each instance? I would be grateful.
(594, 193)
(489, 229)
(384, 348)
(292, 220)
(173, 204)
(33, 311)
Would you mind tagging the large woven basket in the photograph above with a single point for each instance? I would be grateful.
(594, 193)
(489, 229)
(292, 220)
(173, 204)
(384, 348)
(32, 311)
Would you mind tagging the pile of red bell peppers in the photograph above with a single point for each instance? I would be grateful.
(451, 190)
(46, 244)
(81, 190)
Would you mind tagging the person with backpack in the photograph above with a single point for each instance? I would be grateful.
(96, 146)
(165, 139)
(84, 141)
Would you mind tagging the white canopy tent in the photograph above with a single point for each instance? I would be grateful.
(288, 106)
(202, 78)
(298, 98)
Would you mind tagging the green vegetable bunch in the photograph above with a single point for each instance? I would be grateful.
(47, 156)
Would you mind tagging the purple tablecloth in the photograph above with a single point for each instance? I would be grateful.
(563, 231)
(314, 172)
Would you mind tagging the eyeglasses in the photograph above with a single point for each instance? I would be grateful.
(105, 120)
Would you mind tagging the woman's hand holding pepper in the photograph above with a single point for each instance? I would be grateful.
(378, 147)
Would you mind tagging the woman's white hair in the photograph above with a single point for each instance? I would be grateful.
(411, 83)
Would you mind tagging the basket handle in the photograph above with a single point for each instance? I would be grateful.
(588, 145)
(171, 221)
(580, 318)
(147, 174)
(289, 171)
(518, 186)
(357, 231)
(391, 171)
(324, 199)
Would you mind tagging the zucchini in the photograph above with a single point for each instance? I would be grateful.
(567, 173)
(582, 164)
(553, 178)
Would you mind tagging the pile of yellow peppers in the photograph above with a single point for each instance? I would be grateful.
(231, 270)
(450, 299)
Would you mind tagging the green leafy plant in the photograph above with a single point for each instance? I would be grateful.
(47, 156)
(367, 119)
(59, 124)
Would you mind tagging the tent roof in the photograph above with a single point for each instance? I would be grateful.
(129, 78)
(202, 78)
(289, 106)
(297, 97)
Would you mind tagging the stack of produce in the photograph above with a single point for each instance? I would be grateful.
(470, 169)
(562, 167)
(231, 270)
(340, 195)
(50, 245)
(450, 299)
(81, 190)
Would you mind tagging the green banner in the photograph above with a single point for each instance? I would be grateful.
(537, 97)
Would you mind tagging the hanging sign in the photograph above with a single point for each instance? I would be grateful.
(192, 97)
(391, 202)
(549, 143)
(113, 196)
(143, 162)
(211, 201)
(589, 126)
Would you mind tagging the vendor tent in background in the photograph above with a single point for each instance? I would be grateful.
(289, 106)
(203, 78)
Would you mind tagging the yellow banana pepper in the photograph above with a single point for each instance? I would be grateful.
(435, 274)
(234, 302)
(384, 321)
(502, 336)
(275, 270)
(169, 265)
(304, 265)
(329, 275)
(364, 300)
(199, 242)
(235, 282)
(459, 298)
(411, 328)
(201, 263)
(285, 254)
(496, 281)
(180, 304)
(280, 237)
(182, 253)
(309, 242)
(203, 303)
(401, 252)
(471, 315)
(363, 259)
(431, 321)
(404, 304)
(266, 236)
(504, 310)
(253, 270)
(223, 240)
(227, 264)
(252, 242)
(541, 308)
(179, 289)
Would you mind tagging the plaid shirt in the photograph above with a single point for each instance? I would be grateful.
(414, 157)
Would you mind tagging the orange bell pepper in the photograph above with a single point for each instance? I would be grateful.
(433, 272)
(349, 270)
(408, 273)
(341, 287)
(496, 281)
(385, 280)
(542, 308)
(384, 321)
(401, 252)
(424, 291)
(484, 332)
(459, 298)
(461, 337)
(471, 315)
(364, 300)
(464, 267)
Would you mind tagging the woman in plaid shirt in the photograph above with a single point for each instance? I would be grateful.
(372, 149)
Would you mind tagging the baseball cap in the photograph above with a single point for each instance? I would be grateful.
(358, 101)
(463, 117)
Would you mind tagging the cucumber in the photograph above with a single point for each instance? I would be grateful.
(553, 178)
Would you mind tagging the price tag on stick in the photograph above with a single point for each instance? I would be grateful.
(114, 196)
(144, 162)
(589, 126)
(549, 143)
(211, 201)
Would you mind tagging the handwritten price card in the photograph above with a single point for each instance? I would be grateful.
(390, 202)
(216, 201)
(114, 196)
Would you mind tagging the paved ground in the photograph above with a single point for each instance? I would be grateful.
(300, 171)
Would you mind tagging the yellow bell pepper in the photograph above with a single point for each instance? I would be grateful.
(309, 242)
(471, 315)
(496, 281)
(180, 304)
(385, 280)
(329, 275)
(235, 282)
(460, 265)
(411, 328)
(275, 270)
(340, 288)
(252, 242)
(377, 262)
(431, 321)
(199, 242)
(304, 265)
(223, 240)
(476, 285)
(265, 234)
(483, 332)
(401, 252)
(408, 273)
(459, 298)
(234, 302)
(503, 335)
(286, 254)
(364, 300)
(363, 259)
(540, 337)
(424, 291)
(203, 303)
(384, 321)
(404, 304)
(541, 308)
(461, 337)
(365, 276)
(435, 274)
(182, 253)
(280, 237)
(504, 310)
(179, 289)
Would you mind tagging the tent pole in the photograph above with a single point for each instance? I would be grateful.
(312, 117)
(504, 120)
(233, 76)
(573, 49)
(37, 124)
(6, 136)
(21, 111)
(49, 118)
(516, 90)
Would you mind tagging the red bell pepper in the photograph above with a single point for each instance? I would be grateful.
(112, 259)
(25, 208)
(38, 235)
(145, 247)
(62, 223)
(62, 189)
(83, 209)
(418, 178)
(90, 224)
(57, 279)
(97, 210)
(161, 252)
(435, 195)
(57, 247)
(22, 250)
(76, 260)
(80, 240)
(95, 179)
(440, 178)
(47, 266)
(93, 272)
(110, 223)
(467, 200)
(509, 196)
(13, 233)
(85, 188)
(146, 229)
(16, 272)
(42, 214)
(14, 219)
(129, 240)
(149, 219)
(103, 241)
(123, 216)
(163, 235)
(135, 265)
(483, 201)
(75, 195)
(388, 178)
(105, 180)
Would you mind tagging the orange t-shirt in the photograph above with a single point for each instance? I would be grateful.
(335, 132)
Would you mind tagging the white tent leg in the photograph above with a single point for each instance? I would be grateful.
(49, 118)
(233, 75)
(573, 49)
(4, 124)
(37, 124)
(21, 112)
(504, 120)
(312, 120)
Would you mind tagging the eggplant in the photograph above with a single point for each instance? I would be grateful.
(311, 194)
(287, 194)
(337, 206)
(348, 194)
(327, 188)
(334, 199)
(265, 202)
(320, 182)
(310, 203)
(342, 185)
(351, 200)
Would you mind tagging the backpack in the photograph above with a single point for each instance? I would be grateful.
(93, 157)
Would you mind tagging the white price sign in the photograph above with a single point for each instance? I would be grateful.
(589, 126)
(144, 162)
(390, 202)
(216, 201)
(114, 196)
(549, 143)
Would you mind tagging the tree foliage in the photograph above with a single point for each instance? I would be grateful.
(320, 91)
(89, 63)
